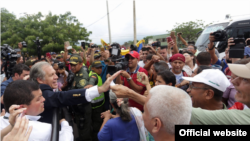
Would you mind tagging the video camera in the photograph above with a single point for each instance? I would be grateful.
(237, 50)
(133, 48)
(220, 35)
(119, 62)
(94, 46)
(9, 56)
(157, 44)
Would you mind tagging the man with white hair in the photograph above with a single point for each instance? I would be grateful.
(160, 119)
(44, 74)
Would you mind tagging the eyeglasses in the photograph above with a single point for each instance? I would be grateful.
(192, 87)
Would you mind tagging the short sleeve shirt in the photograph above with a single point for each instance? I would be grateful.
(247, 51)
(134, 78)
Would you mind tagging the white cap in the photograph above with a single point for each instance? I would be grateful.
(212, 77)
(240, 70)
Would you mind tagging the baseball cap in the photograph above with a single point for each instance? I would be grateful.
(62, 52)
(59, 56)
(97, 64)
(97, 55)
(75, 59)
(240, 70)
(133, 54)
(212, 77)
(52, 53)
(177, 56)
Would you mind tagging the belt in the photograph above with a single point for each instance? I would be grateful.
(98, 104)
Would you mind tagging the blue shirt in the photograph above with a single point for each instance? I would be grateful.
(219, 63)
(247, 51)
(5, 84)
(117, 130)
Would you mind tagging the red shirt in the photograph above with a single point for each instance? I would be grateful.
(133, 75)
(87, 64)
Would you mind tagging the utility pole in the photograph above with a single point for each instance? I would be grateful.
(108, 23)
(135, 41)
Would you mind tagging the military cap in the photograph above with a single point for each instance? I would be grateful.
(97, 55)
(28, 63)
(75, 59)
(97, 64)
(59, 56)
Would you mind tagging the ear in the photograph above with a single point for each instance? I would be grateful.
(209, 94)
(157, 125)
(16, 75)
(39, 80)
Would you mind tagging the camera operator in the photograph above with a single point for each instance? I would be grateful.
(19, 71)
(215, 59)
(128, 78)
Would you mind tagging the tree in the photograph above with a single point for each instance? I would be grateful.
(189, 29)
(54, 30)
(146, 39)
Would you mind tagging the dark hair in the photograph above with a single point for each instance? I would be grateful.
(164, 47)
(149, 57)
(144, 49)
(201, 68)
(195, 48)
(161, 66)
(168, 77)
(19, 68)
(19, 92)
(43, 59)
(191, 54)
(204, 58)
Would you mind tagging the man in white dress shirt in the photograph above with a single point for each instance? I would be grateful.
(28, 95)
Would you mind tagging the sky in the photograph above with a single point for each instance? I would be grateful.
(153, 17)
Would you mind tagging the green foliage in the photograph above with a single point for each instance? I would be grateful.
(53, 29)
(189, 29)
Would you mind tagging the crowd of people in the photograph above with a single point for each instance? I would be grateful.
(160, 87)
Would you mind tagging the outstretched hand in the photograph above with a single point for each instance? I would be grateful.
(106, 86)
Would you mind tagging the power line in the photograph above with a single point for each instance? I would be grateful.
(104, 15)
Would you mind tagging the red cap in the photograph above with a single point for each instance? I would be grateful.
(177, 56)
(133, 54)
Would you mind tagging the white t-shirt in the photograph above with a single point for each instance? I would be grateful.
(188, 70)
(60, 78)
(141, 64)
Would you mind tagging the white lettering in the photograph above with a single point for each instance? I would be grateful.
(182, 130)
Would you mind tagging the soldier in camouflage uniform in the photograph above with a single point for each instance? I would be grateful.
(82, 111)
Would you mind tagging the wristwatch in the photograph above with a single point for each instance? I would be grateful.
(128, 79)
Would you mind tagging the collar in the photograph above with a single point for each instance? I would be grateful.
(31, 118)
(45, 87)
(137, 68)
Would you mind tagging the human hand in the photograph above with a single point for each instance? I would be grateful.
(3, 112)
(62, 120)
(73, 51)
(179, 34)
(106, 115)
(88, 86)
(107, 76)
(18, 133)
(26, 77)
(211, 37)
(171, 44)
(146, 93)
(15, 110)
(230, 42)
(120, 91)
(125, 74)
(151, 48)
(106, 86)
(156, 58)
(144, 78)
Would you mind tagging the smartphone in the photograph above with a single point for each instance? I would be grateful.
(248, 42)
(83, 45)
(48, 55)
(169, 39)
(69, 47)
(102, 48)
